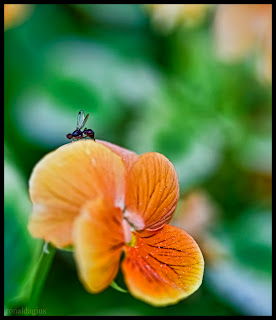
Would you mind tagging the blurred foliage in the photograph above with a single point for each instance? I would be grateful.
(147, 91)
(20, 249)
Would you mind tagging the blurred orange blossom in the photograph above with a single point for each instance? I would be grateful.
(104, 200)
(15, 14)
(242, 28)
(198, 213)
(168, 16)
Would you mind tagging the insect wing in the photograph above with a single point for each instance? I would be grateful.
(84, 120)
(80, 119)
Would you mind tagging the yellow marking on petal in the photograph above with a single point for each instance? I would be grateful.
(132, 241)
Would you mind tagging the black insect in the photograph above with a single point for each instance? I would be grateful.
(78, 134)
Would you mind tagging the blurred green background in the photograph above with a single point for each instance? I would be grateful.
(146, 90)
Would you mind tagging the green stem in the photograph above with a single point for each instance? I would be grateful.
(115, 286)
(40, 275)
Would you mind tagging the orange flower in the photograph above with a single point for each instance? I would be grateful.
(241, 28)
(105, 200)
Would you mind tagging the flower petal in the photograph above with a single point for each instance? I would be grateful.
(152, 191)
(164, 266)
(128, 157)
(65, 179)
(99, 239)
